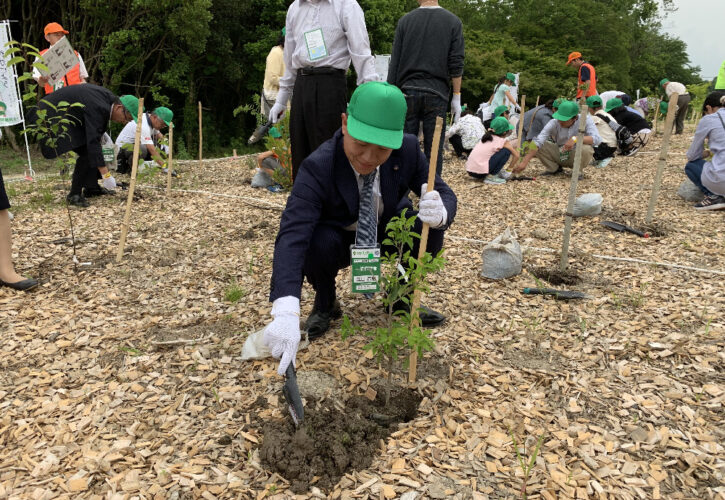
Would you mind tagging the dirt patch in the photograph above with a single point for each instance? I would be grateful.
(434, 368)
(535, 359)
(332, 441)
(554, 276)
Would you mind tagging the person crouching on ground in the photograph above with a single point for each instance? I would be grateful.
(151, 126)
(709, 176)
(604, 152)
(345, 193)
(489, 156)
(639, 127)
(465, 133)
(557, 140)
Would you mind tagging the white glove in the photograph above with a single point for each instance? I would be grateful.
(282, 335)
(456, 107)
(109, 183)
(279, 108)
(432, 211)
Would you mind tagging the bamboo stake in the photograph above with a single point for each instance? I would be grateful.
(671, 111)
(537, 101)
(657, 114)
(170, 161)
(132, 187)
(572, 188)
(200, 141)
(413, 360)
(521, 120)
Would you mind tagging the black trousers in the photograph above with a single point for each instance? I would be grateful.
(457, 144)
(318, 101)
(329, 252)
(84, 176)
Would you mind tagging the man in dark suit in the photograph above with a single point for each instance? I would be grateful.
(90, 108)
(346, 192)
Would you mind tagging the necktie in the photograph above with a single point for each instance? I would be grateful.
(367, 224)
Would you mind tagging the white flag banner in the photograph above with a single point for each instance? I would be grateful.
(59, 59)
(9, 98)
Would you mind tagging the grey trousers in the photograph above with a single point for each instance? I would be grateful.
(549, 155)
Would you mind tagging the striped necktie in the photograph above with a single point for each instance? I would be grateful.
(367, 224)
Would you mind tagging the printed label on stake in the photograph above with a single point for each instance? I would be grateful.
(365, 266)
(315, 41)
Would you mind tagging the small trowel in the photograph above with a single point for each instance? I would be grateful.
(259, 133)
(292, 395)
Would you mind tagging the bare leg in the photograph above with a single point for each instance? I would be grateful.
(7, 271)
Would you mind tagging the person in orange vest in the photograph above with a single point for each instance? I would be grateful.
(54, 32)
(587, 83)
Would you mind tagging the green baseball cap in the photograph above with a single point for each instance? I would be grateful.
(501, 125)
(594, 101)
(376, 114)
(613, 103)
(500, 110)
(567, 110)
(663, 81)
(663, 107)
(130, 102)
(511, 77)
(557, 102)
(165, 114)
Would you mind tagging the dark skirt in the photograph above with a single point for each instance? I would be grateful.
(4, 202)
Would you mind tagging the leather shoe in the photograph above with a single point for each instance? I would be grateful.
(319, 321)
(428, 317)
(78, 200)
(90, 193)
(23, 285)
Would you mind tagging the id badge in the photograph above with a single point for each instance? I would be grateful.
(316, 48)
(108, 154)
(365, 265)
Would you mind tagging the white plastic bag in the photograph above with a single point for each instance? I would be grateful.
(689, 192)
(110, 152)
(587, 205)
(502, 257)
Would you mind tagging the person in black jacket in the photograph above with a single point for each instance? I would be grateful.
(635, 123)
(89, 111)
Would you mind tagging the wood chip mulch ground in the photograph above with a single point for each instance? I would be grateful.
(122, 381)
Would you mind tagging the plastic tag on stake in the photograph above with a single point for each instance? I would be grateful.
(365, 266)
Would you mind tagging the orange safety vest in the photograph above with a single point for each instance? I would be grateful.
(592, 90)
(73, 77)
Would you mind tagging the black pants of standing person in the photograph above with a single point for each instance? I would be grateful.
(683, 102)
(318, 101)
(329, 252)
(457, 144)
(426, 107)
(84, 177)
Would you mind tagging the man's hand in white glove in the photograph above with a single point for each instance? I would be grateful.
(282, 335)
(277, 112)
(109, 182)
(432, 211)
(456, 107)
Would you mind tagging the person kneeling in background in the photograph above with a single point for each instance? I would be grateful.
(489, 156)
(604, 152)
(465, 133)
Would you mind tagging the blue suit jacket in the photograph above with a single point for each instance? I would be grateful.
(326, 192)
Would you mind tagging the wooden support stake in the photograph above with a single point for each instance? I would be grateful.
(170, 160)
(657, 114)
(413, 360)
(521, 120)
(664, 147)
(132, 187)
(537, 101)
(200, 141)
(234, 153)
(573, 186)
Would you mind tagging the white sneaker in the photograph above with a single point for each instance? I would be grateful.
(494, 179)
(603, 163)
(504, 174)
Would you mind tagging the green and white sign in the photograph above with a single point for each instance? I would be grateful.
(365, 265)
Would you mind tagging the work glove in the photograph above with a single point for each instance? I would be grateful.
(517, 109)
(279, 108)
(282, 335)
(432, 211)
(109, 182)
(456, 107)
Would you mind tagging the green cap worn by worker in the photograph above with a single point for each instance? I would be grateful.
(613, 104)
(594, 101)
(376, 114)
(130, 102)
(663, 82)
(566, 111)
(511, 77)
(501, 125)
(664, 105)
(164, 114)
(500, 110)
(557, 102)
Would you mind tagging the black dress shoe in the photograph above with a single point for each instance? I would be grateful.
(23, 285)
(78, 200)
(319, 321)
(428, 317)
(90, 193)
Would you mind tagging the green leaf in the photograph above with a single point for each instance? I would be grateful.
(15, 60)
